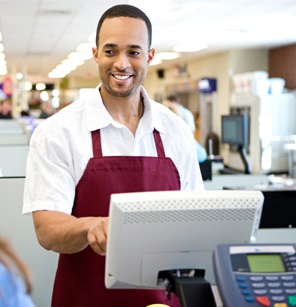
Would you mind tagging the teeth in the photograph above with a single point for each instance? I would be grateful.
(121, 77)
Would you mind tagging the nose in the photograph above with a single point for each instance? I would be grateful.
(122, 61)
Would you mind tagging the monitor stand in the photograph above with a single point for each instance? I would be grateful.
(190, 287)
(243, 155)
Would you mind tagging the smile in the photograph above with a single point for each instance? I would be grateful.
(120, 77)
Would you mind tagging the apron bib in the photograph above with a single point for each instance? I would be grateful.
(79, 280)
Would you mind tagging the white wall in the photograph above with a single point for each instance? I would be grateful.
(221, 66)
(13, 160)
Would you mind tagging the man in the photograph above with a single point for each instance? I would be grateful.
(5, 109)
(173, 102)
(116, 140)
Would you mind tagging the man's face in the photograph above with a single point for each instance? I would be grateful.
(122, 55)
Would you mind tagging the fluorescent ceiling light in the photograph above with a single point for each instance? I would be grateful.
(19, 76)
(83, 52)
(155, 61)
(44, 96)
(28, 86)
(56, 74)
(78, 57)
(3, 71)
(40, 86)
(72, 63)
(3, 64)
(85, 47)
(167, 55)
(190, 47)
(74, 56)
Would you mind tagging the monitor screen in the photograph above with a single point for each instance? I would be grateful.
(266, 263)
(150, 232)
(235, 129)
(279, 203)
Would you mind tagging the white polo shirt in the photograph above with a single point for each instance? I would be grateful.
(61, 146)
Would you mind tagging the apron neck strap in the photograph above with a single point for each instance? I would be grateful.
(158, 144)
(96, 143)
(97, 147)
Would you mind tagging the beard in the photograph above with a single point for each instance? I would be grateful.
(121, 90)
(117, 93)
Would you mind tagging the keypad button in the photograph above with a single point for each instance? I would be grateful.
(273, 284)
(260, 291)
(246, 292)
(292, 300)
(287, 277)
(250, 299)
(256, 278)
(272, 278)
(263, 300)
(278, 298)
(276, 291)
(258, 285)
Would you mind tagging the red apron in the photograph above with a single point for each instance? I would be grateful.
(79, 279)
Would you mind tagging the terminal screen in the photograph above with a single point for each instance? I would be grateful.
(266, 263)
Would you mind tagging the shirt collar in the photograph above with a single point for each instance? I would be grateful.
(98, 116)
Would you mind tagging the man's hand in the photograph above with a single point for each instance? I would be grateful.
(97, 235)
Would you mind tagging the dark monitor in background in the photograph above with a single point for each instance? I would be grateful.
(235, 130)
(235, 133)
(278, 209)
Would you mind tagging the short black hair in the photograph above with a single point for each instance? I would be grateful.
(173, 98)
(125, 10)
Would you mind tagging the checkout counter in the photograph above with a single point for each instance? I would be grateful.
(291, 149)
(278, 220)
(20, 231)
(277, 223)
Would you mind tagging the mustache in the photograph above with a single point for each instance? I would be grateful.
(122, 71)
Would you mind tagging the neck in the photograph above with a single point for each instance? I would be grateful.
(140, 115)
(127, 111)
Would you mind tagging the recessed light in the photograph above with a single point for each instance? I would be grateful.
(155, 61)
(190, 47)
(167, 55)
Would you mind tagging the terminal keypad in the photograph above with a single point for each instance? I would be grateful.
(270, 290)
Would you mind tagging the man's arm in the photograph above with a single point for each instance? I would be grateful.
(64, 233)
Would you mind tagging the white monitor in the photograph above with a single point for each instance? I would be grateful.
(154, 231)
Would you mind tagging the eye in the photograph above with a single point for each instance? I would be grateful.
(109, 51)
(134, 53)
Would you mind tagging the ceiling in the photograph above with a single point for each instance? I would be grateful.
(39, 34)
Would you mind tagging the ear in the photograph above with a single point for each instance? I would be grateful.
(95, 54)
(151, 53)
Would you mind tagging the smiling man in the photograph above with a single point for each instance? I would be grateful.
(114, 141)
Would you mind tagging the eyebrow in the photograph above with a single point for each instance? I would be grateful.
(132, 46)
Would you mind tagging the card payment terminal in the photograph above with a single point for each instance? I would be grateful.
(256, 275)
